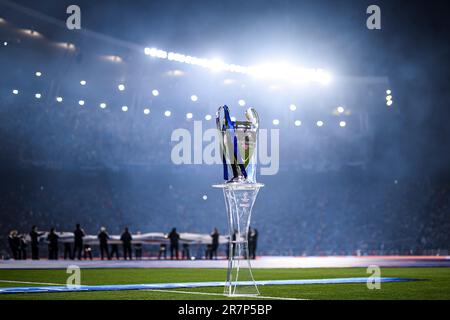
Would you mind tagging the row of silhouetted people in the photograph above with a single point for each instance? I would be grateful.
(18, 245)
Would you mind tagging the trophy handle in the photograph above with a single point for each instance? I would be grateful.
(223, 122)
(252, 116)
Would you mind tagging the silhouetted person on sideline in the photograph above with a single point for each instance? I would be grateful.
(52, 239)
(162, 251)
(126, 241)
(87, 252)
(174, 238)
(138, 249)
(214, 244)
(67, 251)
(14, 243)
(185, 254)
(103, 238)
(23, 247)
(34, 235)
(78, 242)
(208, 251)
(252, 242)
(115, 251)
(232, 244)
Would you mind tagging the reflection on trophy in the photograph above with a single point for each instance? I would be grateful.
(238, 149)
(238, 145)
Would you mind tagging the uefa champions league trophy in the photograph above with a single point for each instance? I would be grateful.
(238, 151)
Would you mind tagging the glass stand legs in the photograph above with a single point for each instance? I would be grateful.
(239, 200)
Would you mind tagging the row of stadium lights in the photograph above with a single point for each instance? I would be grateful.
(389, 100)
(317, 75)
(194, 98)
(121, 87)
(279, 71)
(275, 71)
(189, 115)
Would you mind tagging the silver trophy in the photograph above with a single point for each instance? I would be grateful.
(238, 145)
(238, 141)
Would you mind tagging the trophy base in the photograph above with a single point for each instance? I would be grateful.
(237, 295)
(239, 199)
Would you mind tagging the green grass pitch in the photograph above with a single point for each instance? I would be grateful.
(436, 286)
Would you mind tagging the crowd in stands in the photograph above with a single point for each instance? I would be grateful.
(309, 215)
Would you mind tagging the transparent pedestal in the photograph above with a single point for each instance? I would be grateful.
(239, 201)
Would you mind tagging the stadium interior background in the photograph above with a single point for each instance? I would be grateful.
(379, 184)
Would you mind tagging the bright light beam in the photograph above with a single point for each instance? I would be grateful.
(270, 71)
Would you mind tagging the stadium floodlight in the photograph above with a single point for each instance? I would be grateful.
(389, 103)
(342, 124)
(217, 64)
(194, 98)
(167, 113)
(155, 92)
(297, 123)
(388, 91)
(37, 95)
(38, 73)
(177, 73)
(81, 102)
(103, 105)
(189, 115)
(322, 77)
(112, 58)
(172, 56)
(83, 82)
(65, 45)
(280, 71)
(319, 123)
(15, 91)
(275, 122)
(287, 72)
(31, 33)
(146, 111)
(124, 108)
(5, 43)
(228, 81)
(205, 197)
(340, 109)
(241, 102)
(59, 99)
(388, 97)
(293, 107)
(208, 117)
(121, 87)
(156, 53)
(270, 70)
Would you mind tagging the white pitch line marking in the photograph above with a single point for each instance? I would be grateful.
(163, 290)
(222, 295)
(29, 282)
